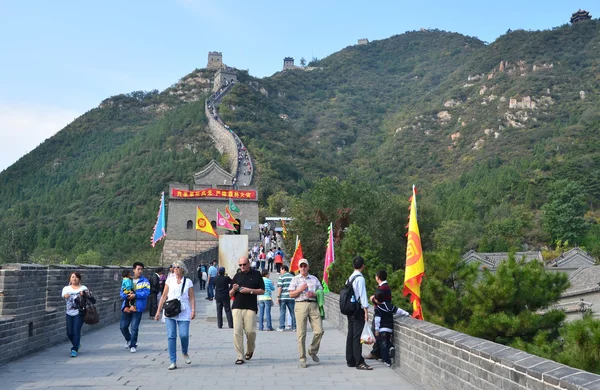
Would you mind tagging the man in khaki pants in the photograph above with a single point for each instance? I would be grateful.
(246, 286)
(303, 289)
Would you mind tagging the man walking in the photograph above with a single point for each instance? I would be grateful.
(303, 289)
(222, 287)
(212, 274)
(247, 284)
(356, 321)
(141, 291)
(384, 288)
(154, 290)
(283, 298)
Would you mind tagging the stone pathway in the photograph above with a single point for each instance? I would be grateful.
(104, 363)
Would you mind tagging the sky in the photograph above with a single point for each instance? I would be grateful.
(60, 59)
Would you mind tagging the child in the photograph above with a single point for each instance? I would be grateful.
(384, 325)
(127, 287)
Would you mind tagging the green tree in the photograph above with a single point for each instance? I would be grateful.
(563, 213)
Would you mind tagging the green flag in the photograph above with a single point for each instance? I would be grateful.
(233, 207)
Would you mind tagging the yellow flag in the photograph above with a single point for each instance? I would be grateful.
(203, 224)
(415, 267)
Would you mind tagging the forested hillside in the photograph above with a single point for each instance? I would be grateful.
(501, 139)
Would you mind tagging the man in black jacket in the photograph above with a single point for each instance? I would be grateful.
(222, 287)
(154, 290)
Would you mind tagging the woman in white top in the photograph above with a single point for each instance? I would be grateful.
(173, 290)
(74, 294)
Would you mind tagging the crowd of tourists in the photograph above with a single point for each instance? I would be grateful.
(247, 299)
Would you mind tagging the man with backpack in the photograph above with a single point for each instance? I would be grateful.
(354, 303)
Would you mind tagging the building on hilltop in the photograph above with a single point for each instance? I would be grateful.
(288, 63)
(211, 191)
(580, 15)
(224, 77)
(215, 60)
(363, 41)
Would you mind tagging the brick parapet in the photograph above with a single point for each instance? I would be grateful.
(439, 358)
(224, 141)
(32, 311)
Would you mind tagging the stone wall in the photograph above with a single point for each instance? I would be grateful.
(224, 141)
(439, 358)
(32, 311)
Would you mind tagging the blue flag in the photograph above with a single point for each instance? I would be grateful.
(159, 228)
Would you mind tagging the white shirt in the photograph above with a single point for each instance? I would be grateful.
(360, 289)
(175, 293)
(72, 306)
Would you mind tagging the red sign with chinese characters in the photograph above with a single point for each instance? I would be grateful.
(214, 193)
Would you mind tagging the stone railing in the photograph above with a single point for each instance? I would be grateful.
(224, 140)
(32, 311)
(439, 358)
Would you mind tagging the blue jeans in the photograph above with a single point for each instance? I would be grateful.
(184, 337)
(289, 304)
(264, 306)
(74, 324)
(133, 319)
(210, 290)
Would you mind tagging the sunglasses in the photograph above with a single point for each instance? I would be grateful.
(303, 265)
(243, 264)
(175, 266)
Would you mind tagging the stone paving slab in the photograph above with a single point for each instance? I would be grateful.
(104, 363)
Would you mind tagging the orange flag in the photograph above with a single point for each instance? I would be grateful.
(415, 267)
(203, 224)
(296, 258)
(229, 216)
(223, 222)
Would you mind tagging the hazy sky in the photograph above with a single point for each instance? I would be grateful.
(59, 59)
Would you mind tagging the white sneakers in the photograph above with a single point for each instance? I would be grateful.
(126, 345)
(132, 350)
(187, 359)
(172, 366)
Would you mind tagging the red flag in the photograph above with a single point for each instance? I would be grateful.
(296, 258)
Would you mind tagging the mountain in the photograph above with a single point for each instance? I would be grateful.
(490, 133)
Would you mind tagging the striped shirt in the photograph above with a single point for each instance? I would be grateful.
(312, 284)
(284, 283)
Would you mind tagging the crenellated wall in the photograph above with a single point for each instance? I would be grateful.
(439, 358)
(32, 311)
(224, 141)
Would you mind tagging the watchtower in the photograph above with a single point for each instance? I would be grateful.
(211, 191)
(215, 60)
(224, 76)
(580, 15)
(363, 41)
(288, 63)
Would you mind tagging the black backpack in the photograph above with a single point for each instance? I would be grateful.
(348, 307)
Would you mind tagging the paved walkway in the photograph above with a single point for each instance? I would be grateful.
(104, 363)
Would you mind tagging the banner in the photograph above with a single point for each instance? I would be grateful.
(229, 216)
(415, 266)
(222, 222)
(214, 193)
(203, 224)
(233, 207)
(296, 258)
(159, 229)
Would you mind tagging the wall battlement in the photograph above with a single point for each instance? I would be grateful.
(439, 358)
(224, 141)
(32, 311)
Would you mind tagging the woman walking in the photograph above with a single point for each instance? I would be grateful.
(265, 302)
(75, 295)
(181, 288)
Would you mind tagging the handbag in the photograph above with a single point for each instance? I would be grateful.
(173, 307)
(91, 316)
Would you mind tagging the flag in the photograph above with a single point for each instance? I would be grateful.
(203, 224)
(296, 258)
(415, 267)
(233, 207)
(223, 222)
(283, 229)
(159, 229)
(229, 216)
(329, 258)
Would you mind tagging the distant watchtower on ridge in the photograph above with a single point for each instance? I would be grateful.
(580, 15)
(215, 60)
(288, 63)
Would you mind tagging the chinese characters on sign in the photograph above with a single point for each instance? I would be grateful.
(214, 193)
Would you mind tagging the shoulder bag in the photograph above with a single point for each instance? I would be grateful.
(91, 316)
(173, 307)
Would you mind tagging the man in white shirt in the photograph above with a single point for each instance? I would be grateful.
(356, 321)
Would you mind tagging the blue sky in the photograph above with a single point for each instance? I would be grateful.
(61, 58)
